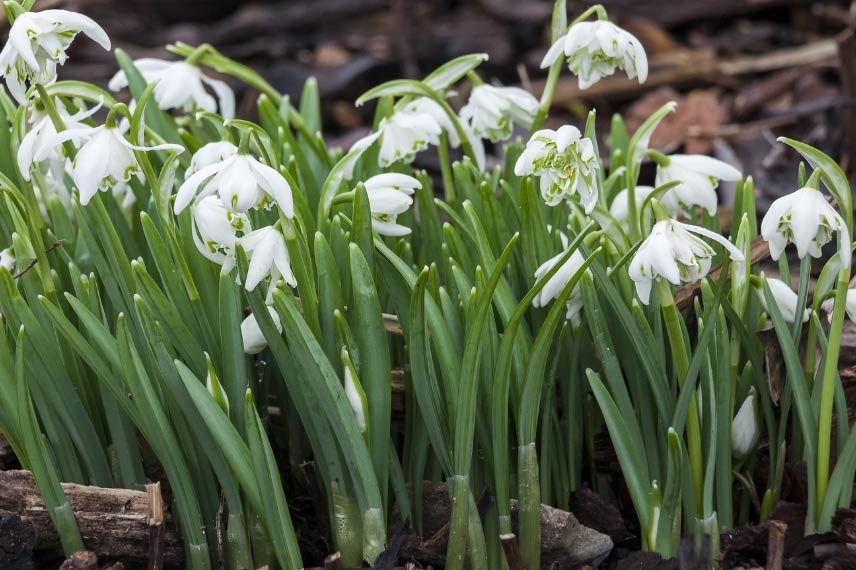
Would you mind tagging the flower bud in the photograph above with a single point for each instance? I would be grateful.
(744, 428)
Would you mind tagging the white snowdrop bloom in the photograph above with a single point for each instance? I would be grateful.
(595, 49)
(674, 252)
(241, 181)
(620, 207)
(41, 137)
(7, 259)
(558, 281)
(491, 111)
(390, 195)
(807, 220)
(211, 153)
(105, 159)
(565, 163)
(849, 306)
(699, 176)
(216, 229)
(786, 299)
(181, 85)
(37, 44)
(401, 136)
(745, 431)
(354, 392)
(268, 257)
(251, 333)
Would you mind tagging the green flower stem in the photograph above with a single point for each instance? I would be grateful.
(830, 374)
(672, 318)
(446, 170)
(56, 119)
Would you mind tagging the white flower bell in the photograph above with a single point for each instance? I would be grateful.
(181, 85)
(566, 164)
(390, 195)
(554, 286)
(251, 333)
(491, 111)
(699, 176)
(105, 159)
(807, 220)
(210, 154)
(37, 44)
(620, 206)
(675, 252)
(215, 230)
(745, 431)
(786, 300)
(268, 257)
(241, 181)
(595, 49)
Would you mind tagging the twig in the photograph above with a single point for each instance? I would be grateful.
(776, 544)
(156, 527)
(512, 551)
(33, 262)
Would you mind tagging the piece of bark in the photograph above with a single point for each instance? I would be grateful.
(82, 560)
(512, 551)
(776, 544)
(114, 523)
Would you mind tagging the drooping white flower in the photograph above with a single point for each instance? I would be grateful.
(241, 181)
(807, 220)
(216, 228)
(251, 333)
(105, 159)
(402, 136)
(491, 110)
(849, 306)
(41, 137)
(37, 44)
(786, 300)
(268, 256)
(745, 431)
(674, 252)
(7, 259)
(699, 176)
(211, 153)
(566, 164)
(595, 49)
(181, 85)
(390, 195)
(620, 207)
(559, 280)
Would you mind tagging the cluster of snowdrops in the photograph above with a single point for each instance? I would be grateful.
(171, 269)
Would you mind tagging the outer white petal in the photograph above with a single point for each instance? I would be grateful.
(733, 252)
(80, 22)
(555, 52)
(707, 166)
(276, 186)
(224, 94)
(251, 334)
(191, 186)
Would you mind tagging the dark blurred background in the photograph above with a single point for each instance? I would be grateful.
(742, 71)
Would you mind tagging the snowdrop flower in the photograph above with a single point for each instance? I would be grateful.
(7, 259)
(807, 220)
(786, 300)
(558, 281)
(620, 207)
(241, 181)
(37, 44)
(216, 230)
(268, 256)
(849, 306)
(181, 85)
(744, 428)
(41, 135)
(251, 333)
(491, 110)
(566, 164)
(401, 136)
(674, 252)
(595, 49)
(105, 159)
(211, 153)
(389, 195)
(699, 176)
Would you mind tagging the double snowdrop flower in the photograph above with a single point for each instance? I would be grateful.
(595, 49)
(390, 195)
(268, 257)
(37, 44)
(744, 428)
(565, 163)
(698, 175)
(554, 286)
(251, 334)
(402, 136)
(181, 85)
(491, 111)
(41, 136)
(675, 252)
(786, 300)
(240, 180)
(215, 230)
(105, 159)
(620, 207)
(807, 220)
